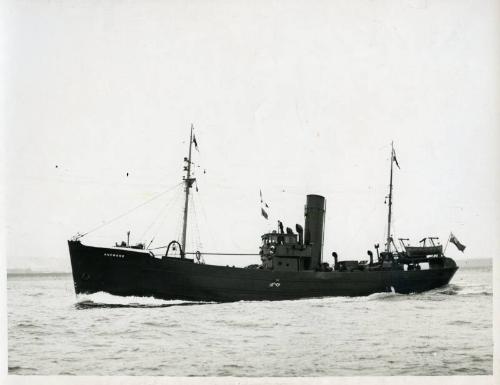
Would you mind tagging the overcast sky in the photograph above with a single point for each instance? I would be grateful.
(291, 97)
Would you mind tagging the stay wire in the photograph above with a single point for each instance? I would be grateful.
(177, 197)
(175, 204)
(207, 222)
(195, 227)
(128, 212)
(160, 214)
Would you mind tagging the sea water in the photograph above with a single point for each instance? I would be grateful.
(447, 331)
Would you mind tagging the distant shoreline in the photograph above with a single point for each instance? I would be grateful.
(36, 273)
(474, 262)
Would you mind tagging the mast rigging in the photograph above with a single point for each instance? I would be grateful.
(389, 216)
(188, 182)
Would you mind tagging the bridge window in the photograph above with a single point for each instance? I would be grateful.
(273, 239)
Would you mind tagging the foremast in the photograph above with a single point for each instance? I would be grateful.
(188, 183)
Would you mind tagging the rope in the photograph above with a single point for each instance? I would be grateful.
(196, 229)
(207, 223)
(221, 253)
(180, 221)
(203, 253)
(128, 212)
(161, 214)
(175, 204)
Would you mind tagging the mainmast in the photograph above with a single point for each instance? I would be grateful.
(188, 182)
(389, 238)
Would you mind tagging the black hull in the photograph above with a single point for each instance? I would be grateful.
(128, 272)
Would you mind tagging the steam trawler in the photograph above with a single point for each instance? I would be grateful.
(291, 264)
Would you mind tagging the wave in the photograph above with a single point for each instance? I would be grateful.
(383, 296)
(446, 291)
(27, 325)
(459, 322)
(453, 289)
(471, 290)
(106, 300)
(17, 369)
(478, 293)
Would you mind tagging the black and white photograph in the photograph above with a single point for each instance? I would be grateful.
(248, 192)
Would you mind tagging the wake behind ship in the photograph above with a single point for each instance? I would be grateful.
(291, 265)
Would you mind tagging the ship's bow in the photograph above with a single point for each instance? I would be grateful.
(84, 267)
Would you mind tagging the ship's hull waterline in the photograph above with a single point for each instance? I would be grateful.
(129, 272)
